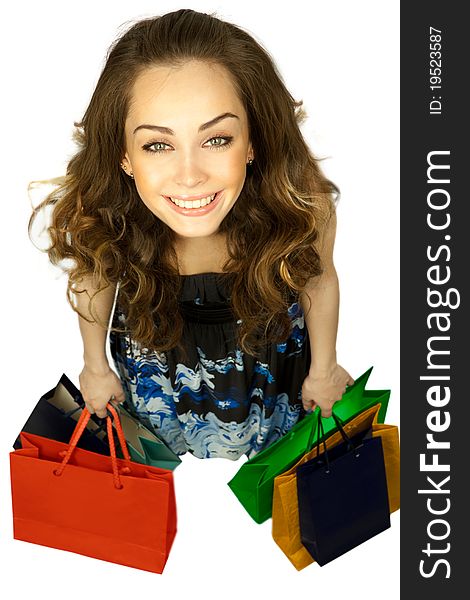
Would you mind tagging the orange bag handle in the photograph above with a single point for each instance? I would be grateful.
(120, 433)
(77, 433)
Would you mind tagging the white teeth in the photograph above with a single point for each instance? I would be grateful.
(193, 203)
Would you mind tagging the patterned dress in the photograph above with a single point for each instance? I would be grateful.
(221, 402)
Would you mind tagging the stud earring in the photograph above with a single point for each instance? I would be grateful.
(125, 169)
(250, 162)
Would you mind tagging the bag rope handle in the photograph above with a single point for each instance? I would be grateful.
(78, 431)
(344, 435)
(321, 434)
(339, 424)
(321, 439)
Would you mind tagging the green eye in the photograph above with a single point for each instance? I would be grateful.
(148, 146)
(227, 141)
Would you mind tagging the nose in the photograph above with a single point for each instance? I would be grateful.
(189, 171)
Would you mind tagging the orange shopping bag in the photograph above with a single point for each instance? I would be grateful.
(57, 488)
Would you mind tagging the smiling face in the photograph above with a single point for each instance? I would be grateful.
(187, 140)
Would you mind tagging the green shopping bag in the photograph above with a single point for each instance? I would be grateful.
(253, 483)
(143, 445)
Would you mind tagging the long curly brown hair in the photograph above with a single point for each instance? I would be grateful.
(100, 224)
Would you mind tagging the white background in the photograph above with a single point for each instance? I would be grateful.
(342, 59)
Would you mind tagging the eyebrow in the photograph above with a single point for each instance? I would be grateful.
(203, 127)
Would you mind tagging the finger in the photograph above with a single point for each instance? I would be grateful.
(113, 401)
(117, 406)
(326, 413)
(117, 400)
(99, 413)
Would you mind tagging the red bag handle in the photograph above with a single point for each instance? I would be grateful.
(77, 433)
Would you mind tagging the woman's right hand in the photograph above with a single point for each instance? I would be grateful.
(97, 387)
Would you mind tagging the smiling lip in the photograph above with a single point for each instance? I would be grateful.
(194, 212)
(200, 197)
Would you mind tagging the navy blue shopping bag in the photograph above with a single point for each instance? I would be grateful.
(56, 414)
(55, 417)
(342, 495)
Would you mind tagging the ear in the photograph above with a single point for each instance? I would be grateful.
(125, 162)
(250, 153)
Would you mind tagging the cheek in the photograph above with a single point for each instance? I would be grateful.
(148, 181)
(233, 170)
(147, 193)
(145, 197)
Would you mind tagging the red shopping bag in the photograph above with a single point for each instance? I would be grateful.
(99, 506)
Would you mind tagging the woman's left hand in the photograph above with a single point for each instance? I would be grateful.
(324, 388)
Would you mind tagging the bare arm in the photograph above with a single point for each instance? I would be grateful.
(98, 382)
(326, 380)
(321, 313)
(93, 335)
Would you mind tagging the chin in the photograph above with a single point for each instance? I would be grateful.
(196, 232)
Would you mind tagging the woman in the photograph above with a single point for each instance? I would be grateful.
(194, 193)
